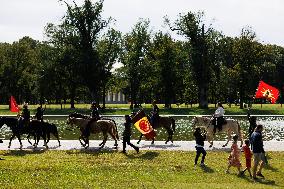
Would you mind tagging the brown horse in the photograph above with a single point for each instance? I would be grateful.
(164, 122)
(104, 126)
(230, 126)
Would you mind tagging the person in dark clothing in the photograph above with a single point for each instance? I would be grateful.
(252, 124)
(199, 138)
(39, 113)
(95, 111)
(258, 151)
(155, 113)
(24, 119)
(127, 134)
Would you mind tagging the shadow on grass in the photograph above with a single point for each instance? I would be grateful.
(207, 169)
(23, 152)
(258, 180)
(93, 151)
(269, 167)
(146, 156)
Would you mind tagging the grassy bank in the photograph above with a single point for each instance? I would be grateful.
(122, 109)
(156, 169)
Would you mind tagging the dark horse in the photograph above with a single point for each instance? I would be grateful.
(164, 122)
(47, 129)
(33, 129)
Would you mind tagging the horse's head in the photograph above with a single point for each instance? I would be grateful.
(200, 121)
(77, 115)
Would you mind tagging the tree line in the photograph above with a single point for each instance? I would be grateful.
(75, 62)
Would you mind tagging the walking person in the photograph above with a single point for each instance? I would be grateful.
(199, 138)
(258, 151)
(234, 158)
(127, 134)
(248, 156)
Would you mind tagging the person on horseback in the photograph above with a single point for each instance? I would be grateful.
(95, 115)
(218, 120)
(155, 113)
(39, 113)
(24, 119)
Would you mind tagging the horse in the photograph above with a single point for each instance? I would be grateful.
(48, 128)
(104, 126)
(229, 127)
(164, 122)
(34, 128)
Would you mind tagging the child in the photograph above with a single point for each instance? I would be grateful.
(199, 138)
(127, 134)
(234, 158)
(248, 156)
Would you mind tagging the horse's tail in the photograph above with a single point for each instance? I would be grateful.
(54, 130)
(173, 124)
(116, 132)
(240, 131)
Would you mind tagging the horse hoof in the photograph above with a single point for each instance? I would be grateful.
(210, 146)
(224, 145)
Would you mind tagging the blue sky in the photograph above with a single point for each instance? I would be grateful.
(20, 18)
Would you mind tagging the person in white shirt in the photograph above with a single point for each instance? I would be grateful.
(218, 120)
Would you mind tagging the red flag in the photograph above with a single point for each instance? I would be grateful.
(13, 105)
(142, 123)
(266, 91)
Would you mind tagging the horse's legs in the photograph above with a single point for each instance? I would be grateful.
(57, 137)
(170, 135)
(47, 137)
(12, 137)
(19, 138)
(139, 139)
(28, 137)
(153, 140)
(114, 138)
(210, 140)
(80, 140)
(228, 139)
(104, 141)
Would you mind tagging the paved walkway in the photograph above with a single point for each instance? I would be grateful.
(144, 145)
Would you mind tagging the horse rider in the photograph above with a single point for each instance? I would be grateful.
(218, 120)
(24, 119)
(95, 115)
(39, 113)
(155, 113)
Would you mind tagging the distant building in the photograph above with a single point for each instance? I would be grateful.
(115, 98)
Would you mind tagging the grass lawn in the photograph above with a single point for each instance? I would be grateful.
(148, 169)
(122, 109)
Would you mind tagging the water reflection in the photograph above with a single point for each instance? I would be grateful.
(273, 129)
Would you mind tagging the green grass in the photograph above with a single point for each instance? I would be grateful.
(122, 109)
(148, 169)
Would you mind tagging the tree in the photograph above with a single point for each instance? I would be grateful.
(190, 25)
(109, 48)
(87, 22)
(134, 51)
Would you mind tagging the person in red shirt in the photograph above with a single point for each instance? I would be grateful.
(248, 156)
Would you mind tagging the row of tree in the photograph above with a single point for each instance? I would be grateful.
(76, 61)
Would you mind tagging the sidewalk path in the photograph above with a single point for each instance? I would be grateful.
(144, 145)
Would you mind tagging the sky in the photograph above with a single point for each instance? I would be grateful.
(19, 18)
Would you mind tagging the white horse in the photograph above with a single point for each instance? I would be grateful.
(229, 127)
